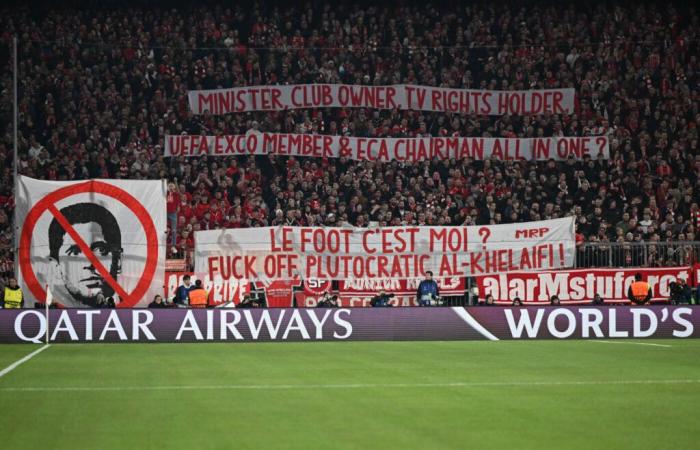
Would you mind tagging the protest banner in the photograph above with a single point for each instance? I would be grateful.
(388, 149)
(285, 252)
(90, 241)
(219, 291)
(400, 96)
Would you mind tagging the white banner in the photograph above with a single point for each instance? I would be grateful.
(90, 241)
(399, 96)
(388, 149)
(287, 253)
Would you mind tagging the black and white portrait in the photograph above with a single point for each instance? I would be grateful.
(99, 229)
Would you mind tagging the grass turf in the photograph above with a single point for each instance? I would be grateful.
(536, 416)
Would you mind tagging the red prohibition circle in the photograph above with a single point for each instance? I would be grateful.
(108, 190)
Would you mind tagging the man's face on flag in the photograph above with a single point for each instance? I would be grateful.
(80, 276)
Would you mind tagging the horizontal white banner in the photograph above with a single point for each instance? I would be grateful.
(399, 96)
(288, 253)
(389, 149)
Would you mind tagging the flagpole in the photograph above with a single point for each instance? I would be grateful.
(47, 323)
(15, 163)
(46, 302)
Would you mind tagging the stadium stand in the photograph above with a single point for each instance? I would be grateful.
(100, 88)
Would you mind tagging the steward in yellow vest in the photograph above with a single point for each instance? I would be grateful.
(12, 295)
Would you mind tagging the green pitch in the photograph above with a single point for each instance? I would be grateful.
(402, 395)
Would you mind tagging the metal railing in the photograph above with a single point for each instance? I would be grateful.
(637, 254)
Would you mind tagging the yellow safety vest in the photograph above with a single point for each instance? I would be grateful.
(13, 298)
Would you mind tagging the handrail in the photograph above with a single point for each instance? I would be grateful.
(637, 254)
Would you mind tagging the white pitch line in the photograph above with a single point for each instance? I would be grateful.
(340, 386)
(17, 363)
(631, 343)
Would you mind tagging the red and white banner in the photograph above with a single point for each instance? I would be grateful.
(359, 293)
(288, 253)
(388, 149)
(220, 291)
(399, 96)
(280, 293)
(91, 240)
(577, 286)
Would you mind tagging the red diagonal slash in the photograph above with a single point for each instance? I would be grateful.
(87, 251)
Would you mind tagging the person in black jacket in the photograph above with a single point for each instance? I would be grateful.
(680, 292)
(381, 300)
(157, 302)
(328, 301)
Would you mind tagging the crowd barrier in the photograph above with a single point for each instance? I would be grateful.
(637, 254)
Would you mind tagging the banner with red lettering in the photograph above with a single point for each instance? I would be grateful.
(399, 96)
(358, 293)
(220, 290)
(279, 293)
(289, 253)
(578, 286)
(388, 149)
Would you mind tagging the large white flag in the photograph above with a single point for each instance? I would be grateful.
(91, 240)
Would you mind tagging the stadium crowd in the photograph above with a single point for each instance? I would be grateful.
(100, 87)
